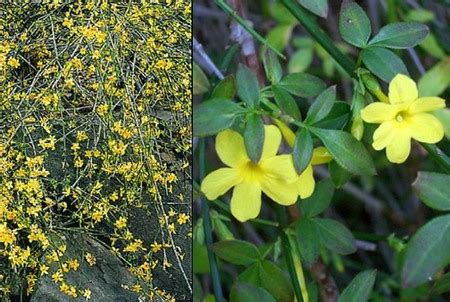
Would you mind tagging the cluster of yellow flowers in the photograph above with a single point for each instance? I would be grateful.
(82, 88)
(402, 115)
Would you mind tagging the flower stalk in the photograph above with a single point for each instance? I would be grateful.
(287, 251)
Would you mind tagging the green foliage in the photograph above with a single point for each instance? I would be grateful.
(272, 67)
(225, 89)
(215, 115)
(319, 200)
(383, 63)
(346, 151)
(317, 7)
(302, 84)
(354, 25)
(237, 252)
(436, 80)
(247, 86)
(433, 189)
(321, 106)
(286, 102)
(360, 288)
(303, 150)
(200, 81)
(427, 252)
(335, 236)
(270, 277)
(246, 292)
(400, 35)
(254, 137)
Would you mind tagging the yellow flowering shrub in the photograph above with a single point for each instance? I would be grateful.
(94, 122)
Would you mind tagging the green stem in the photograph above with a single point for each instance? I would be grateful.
(438, 156)
(299, 268)
(208, 230)
(229, 10)
(319, 35)
(287, 251)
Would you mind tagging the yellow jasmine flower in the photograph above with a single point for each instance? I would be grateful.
(271, 175)
(6, 235)
(403, 118)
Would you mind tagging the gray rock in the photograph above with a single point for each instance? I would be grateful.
(104, 279)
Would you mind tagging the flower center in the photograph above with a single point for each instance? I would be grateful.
(400, 118)
(251, 171)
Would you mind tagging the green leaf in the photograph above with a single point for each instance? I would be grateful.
(346, 151)
(383, 63)
(237, 252)
(339, 175)
(337, 118)
(303, 150)
(307, 236)
(442, 285)
(300, 60)
(254, 137)
(302, 84)
(319, 200)
(433, 189)
(431, 45)
(335, 236)
(354, 25)
(200, 83)
(281, 14)
(444, 116)
(272, 66)
(400, 35)
(436, 80)
(267, 275)
(247, 86)
(279, 36)
(317, 7)
(200, 261)
(360, 288)
(286, 102)
(246, 292)
(420, 15)
(226, 88)
(215, 115)
(321, 106)
(427, 252)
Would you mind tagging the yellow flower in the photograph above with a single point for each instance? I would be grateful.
(405, 117)
(273, 174)
(121, 223)
(6, 235)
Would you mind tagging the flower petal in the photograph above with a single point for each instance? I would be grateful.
(305, 183)
(219, 181)
(230, 148)
(402, 89)
(397, 151)
(272, 141)
(379, 112)
(280, 166)
(426, 104)
(321, 156)
(246, 201)
(426, 128)
(279, 190)
(383, 135)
